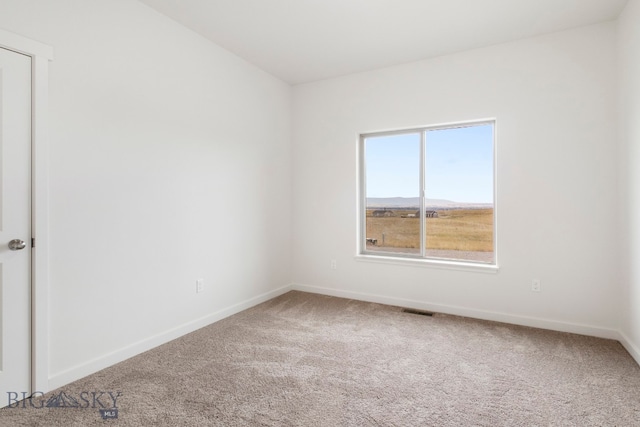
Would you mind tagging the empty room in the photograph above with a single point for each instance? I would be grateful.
(320, 213)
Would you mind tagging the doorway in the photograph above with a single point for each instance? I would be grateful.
(15, 223)
(23, 215)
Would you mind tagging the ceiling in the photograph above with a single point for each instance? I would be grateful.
(301, 41)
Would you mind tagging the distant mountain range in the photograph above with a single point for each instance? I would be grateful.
(414, 202)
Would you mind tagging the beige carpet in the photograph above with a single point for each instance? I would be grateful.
(310, 360)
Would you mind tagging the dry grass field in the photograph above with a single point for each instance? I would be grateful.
(455, 229)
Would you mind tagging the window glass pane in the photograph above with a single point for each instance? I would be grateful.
(392, 189)
(459, 193)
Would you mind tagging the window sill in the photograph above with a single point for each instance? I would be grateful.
(429, 263)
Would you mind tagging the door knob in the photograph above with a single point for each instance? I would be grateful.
(17, 245)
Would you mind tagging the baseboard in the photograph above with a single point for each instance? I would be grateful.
(633, 349)
(467, 312)
(63, 378)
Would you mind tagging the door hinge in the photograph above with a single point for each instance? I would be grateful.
(33, 242)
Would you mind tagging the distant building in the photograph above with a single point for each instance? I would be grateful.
(382, 213)
(428, 214)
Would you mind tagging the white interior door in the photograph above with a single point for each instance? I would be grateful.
(15, 224)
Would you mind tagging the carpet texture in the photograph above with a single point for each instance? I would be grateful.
(310, 360)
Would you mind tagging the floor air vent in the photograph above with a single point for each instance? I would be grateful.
(420, 312)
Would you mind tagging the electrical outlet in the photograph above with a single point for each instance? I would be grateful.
(535, 285)
(199, 285)
(334, 264)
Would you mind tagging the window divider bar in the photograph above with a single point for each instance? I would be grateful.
(362, 245)
(423, 238)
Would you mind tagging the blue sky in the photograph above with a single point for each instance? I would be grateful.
(458, 167)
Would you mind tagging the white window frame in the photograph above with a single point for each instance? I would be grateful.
(421, 259)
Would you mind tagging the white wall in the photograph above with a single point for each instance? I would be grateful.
(629, 89)
(169, 161)
(554, 98)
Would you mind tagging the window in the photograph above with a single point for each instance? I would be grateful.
(428, 193)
